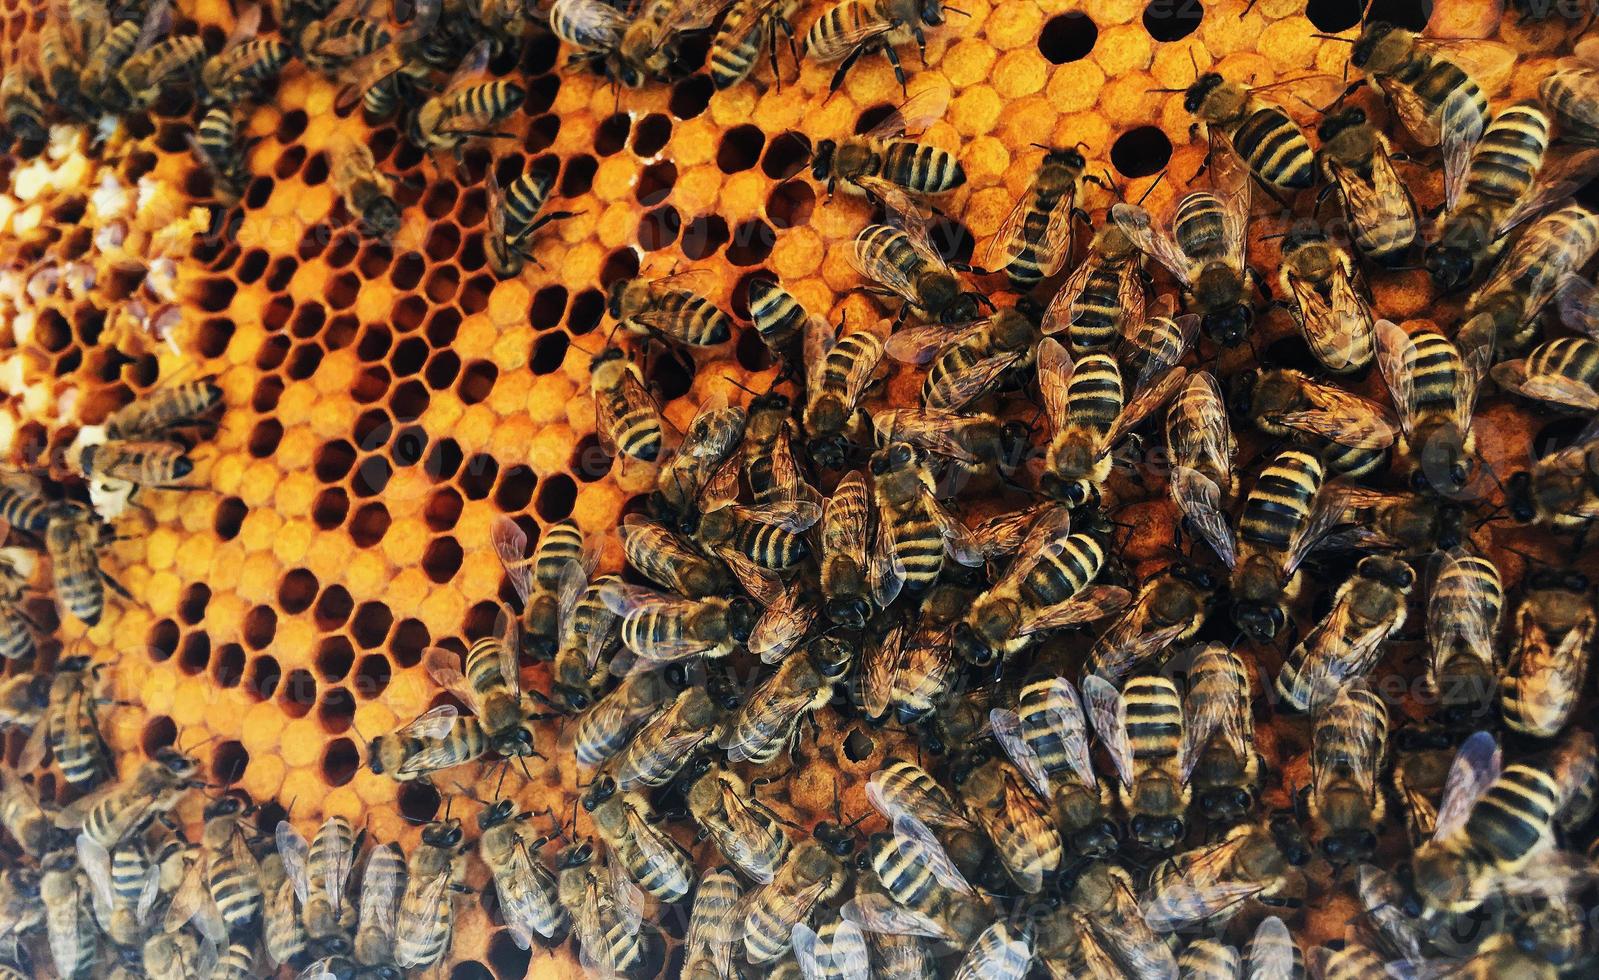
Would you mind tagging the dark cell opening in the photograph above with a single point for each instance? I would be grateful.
(1334, 16)
(159, 733)
(872, 115)
(1070, 37)
(372, 675)
(418, 800)
(263, 677)
(442, 326)
(578, 175)
(191, 607)
(589, 460)
(659, 228)
(857, 746)
(740, 148)
(329, 508)
(786, 155)
(443, 509)
(264, 438)
(229, 761)
(704, 237)
(752, 243)
(333, 461)
(556, 495)
(371, 624)
(651, 134)
(1172, 20)
(336, 711)
(790, 204)
(371, 384)
(952, 239)
(1409, 14)
(334, 656)
(411, 637)
(372, 477)
(340, 762)
(622, 264)
(162, 640)
(195, 654)
(297, 695)
(230, 517)
(478, 478)
(260, 626)
(297, 591)
(442, 241)
(441, 373)
(227, 667)
(408, 313)
(548, 305)
(588, 307)
(655, 183)
(691, 96)
(611, 134)
(369, 525)
(442, 559)
(549, 351)
(333, 607)
(671, 374)
(444, 460)
(1140, 152)
(506, 958)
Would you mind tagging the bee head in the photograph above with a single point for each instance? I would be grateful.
(576, 855)
(1451, 526)
(602, 789)
(742, 614)
(895, 456)
(495, 814)
(1349, 846)
(1370, 43)
(1199, 91)
(1449, 265)
(1229, 325)
(850, 612)
(176, 762)
(1226, 804)
(835, 838)
(223, 806)
(1194, 575)
(518, 741)
(575, 699)
(1157, 833)
(1443, 465)
(1099, 839)
(831, 656)
(442, 833)
(1339, 121)
(608, 354)
(822, 159)
(1262, 621)
(1518, 497)
(1289, 837)
(615, 296)
(334, 945)
(963, 308)
(971, 647)
(933, 12)
(1389, 571)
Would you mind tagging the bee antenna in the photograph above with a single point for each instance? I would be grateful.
(1334, 37)
(1247, 8)
(1168, 91)
(466, 793)
(1158, 178)
(740, 385)
(956, 10)
(1193, 59)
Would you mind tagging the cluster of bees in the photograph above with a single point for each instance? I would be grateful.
(1086, 801)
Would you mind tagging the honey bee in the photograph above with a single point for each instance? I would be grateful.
(843, 552)
(672, 309)
(814, 872)
(771, 468)
(138, 83)
(922, 890)
(745, 830)
(167, 408)
(1169, 608)
(1003, 951)
(883, 165)
(1260, 133)
(1349, 744)
(841, 369)
(900, 260)
(997, 799)
(440, 738)
(1105, 896)
(157, 463)
(1571, 92)
(1205, 249)
(340, 37)
(74, 939)
(82, 42)
(1548, 662)
(1556, 490)
(1494, 833)
(25, 818)
(607, 913)
(1357, 159)
(852, 28)
(708, 449)
(1220, 759)
(588, 639)
(1332, 311)
(320, 874)
(70, 727)
(468, 107)
(23, 504)
(594, 30)
(961, 447)
(908, 672)
(22, 103)
(425, 922)
(73, 539)
(514, 216)
(835, 951)
(1463, 614)
(223, 887)
(1147, 753)
(218, 148)
(1434, 385)
(749, 28)
(1350, 434)
(1367, 609)
(382, 882)
(1208, 884)
(785, 621)
(489, 684)
(391, 74)
(1539, 267)
(1411, 524)
(1035, 238)
(1201, 445)
(713, 927)
(19, 900)
(669, 740)
(913, 529)
(759, 544)
(109, 815)
(1047, 586)
(768, 721)
(1068, 948)
(660, 628)
(662, 556)
(654, 860)
(367, 192)
(25, 702)
(626, 418)
(1561, 373)
(124, 887)
(1103, 296)
(282, 933)
(245, 62)
(1354, 961)
(1084, 404)
(549, 584)
(1272, 952)
(1384, 903)
(527, 889)
(967, 364)
(1283, 520)
(605, 727)
(1208, 959)
(780, 320)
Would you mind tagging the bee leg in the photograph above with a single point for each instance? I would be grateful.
(843, 69)
(893, 60)
(116, 586)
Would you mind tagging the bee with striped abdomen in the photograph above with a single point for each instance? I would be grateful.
(155, 463)
(224, 886)
(320, 874)
(666, 743)
(852, 28)
(470, 106)
(173, 406)
(1003, 951)
(1142, 729)
(489, 683)
(392, 74)
(438, 739)
(64, 893)
(997, 798)
(1357, 159)
(606, 909)
(909, 670)
(529, 902)
(1169, 608)
(84, 42)
(841, 368)
(834, 951)
(746, 831)
(760, 545)
(74, 539)
(1557, 490)
(708, 453)
(913, 529)
(1200, 442)
(1332, 310)
(514, 216)
(587, 641)
(626, 418)
(23, 503)
(16, 625)
(245, 62)
(367, 192)
(673, 309)
(713, 927)
(882, 164)
(1088, 414)
(768, 721)
(425, 924)
(900, 260)
(25, 817)
(345, 34)
(1272, 953)
(648, 48)
(124, 887)
(549, 583)
(1349, 746)
(780, 320)
(662, 556)
(1463, 611)
(1034, 240)
(1220, 758)
(1209, 959)
(1350, 434)
(1368, 609)
(962, 447)
(1047, 586)
(1412, 525)
(660, 628)
(22, 102)
(1571, 92)
(1209, 884)
(1434, 384)
(70, 727)
(220, 150)
(1575, 767)
(968, 364)
(382, 883)
(749, 28)
(282, 933)
(814, 872)
(1205, 249)
(114, 812)
(604, 728)
(1107, 898)
(1563, 372)
(1068, 948)
(1548, 662)
(772, 469)
(594, 30)
(140, 80)
(844, 535)
(1103, 296)
(1540, 268)
(1261, 133)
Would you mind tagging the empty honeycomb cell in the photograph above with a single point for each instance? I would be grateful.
(443, 508)
(336, 710)
(341, 760)
(1173, 20)
(611, 134)
(334, 460)
(442, 370)
(1141, 152)
(191, 608)
(655, 183)
(162, 640)
(658, 228)
(159, 732)
(371, 477)
(704, 237)
(410, 446)
(369, 524)
(229, 515)
(296, 695)
(194, 654)
(408, 357)
(577, 175)
(442, 284)
(229, 760)
(297, 591)
(333, 608)
(264, 438)
(589, 461)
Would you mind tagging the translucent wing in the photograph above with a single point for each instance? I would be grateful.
(1135, 222)
(1054, 245)
(885, 570)
(919, 111)
(296, 854)
(958, 541)
(591, 19)
(608, 412)
(1215, 704)
(1231, 178)
(1054, 380)
(1556, 389)
(342, 860)
(1556, 182)
(444, 666)
(1476, 766)
(435, 723)
(876, 912)
(912, 836)
(381, 884)
(1271, 952)
(1007, 729)
(919, 345)
(1382, 202)
(1458, 142)
(1049, 531)
(1091, 603)
(820, 339)
(244, 27)
(1108, 713)
(1198, 497)
(783, 623)
(932, 429)
(1188, 902)
(1065, 720)
(860, 32)
(1145, 400)
(95, 862)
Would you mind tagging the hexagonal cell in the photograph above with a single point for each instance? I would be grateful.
(1071, 36)
(442, 559)
(262, 676)
(297, 591)
(336, 710)
(260, 626)
(372, 675)
(341, 760)
(1141, 152)
(333, 607)
(159, 733)
(228, 762)
(162, 640)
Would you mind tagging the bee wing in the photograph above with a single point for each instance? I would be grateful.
(382, 881)
(958, 541)
(444, 667)
(474, 68)
(1170, 349)
(1004, 533)
(1054, 380)
(1091, 603)
(885, 571)
(633, 398)
(750, 839)
(1054, 247)
(859, 34)
(1396, 358)
(1007, 729)
(715, 924)
(690, 15)
(1108, 713)
(1356, 427)
(1336, 326)
(880, 667)
(510, 545)
(1556, 182)
(827, 960)
(919, 112)
(416, 917)
(1199, 499)
(1578, 300)
(658, 851)
(763, 584)
(1065, 719)
(918, 345)
(341, 862)
(769, 715)
(1058, 315)
(296, 854)
(1201, 432)
(1187, 902)
(794, 516)
(245, 27)
(1136, 223)
(514, 887)
(1383, 201)
(915, 841)
(1554, 388)
(1048, 531)
(1475, 768)
(1271, 951)
(32, 756)
(1474, 362)
(1231, 177)
(1458, 142)
(157, 21)
(876, 912)
(930, 428)
(782, 624)
(845, 517)
(591, 18)
(435, 723)
(1150, 396)
(1128, 642)
(975, 381)
(95, 863)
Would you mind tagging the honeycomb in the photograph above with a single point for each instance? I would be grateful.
(386, 402)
